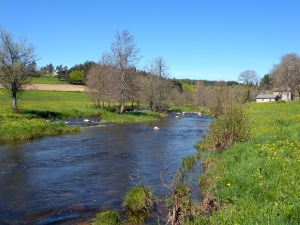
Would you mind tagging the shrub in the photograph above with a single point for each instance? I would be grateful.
(76, 77)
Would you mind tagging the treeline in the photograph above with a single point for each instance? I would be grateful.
(207, 82)
(75, 75)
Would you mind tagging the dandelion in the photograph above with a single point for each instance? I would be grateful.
(228, 184)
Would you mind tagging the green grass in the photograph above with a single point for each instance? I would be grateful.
(257, 182)
(46, 80)
(189, 109)
(39, 107)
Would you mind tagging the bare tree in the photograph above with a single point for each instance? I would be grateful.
(149, 89)
(100, 84)
(249, 78)
(123, 56)
(17, 64)
(287, 73)
(158, 86)
(200, 95)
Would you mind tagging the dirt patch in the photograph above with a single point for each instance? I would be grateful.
(55, 87)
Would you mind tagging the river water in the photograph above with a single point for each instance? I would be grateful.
(67, 179)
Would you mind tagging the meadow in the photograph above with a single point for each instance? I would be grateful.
(38, 110)
(47, 80)
(257, 182)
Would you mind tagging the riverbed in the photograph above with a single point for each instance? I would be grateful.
(67, 179)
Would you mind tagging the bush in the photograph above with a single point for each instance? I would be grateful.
(76, 77)
(107, 218)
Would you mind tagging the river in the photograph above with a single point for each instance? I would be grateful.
(67, 179)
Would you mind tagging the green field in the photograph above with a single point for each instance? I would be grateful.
(257, 182)
(46, 80)
(37, 108)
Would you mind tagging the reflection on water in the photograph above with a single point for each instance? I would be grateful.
(58, 179)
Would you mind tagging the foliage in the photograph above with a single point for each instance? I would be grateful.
(107, 218)
(188, 87)
(138, 203)
(76, 77)
(85, 67)
(206, 82)
(261, 172)
(266, 83)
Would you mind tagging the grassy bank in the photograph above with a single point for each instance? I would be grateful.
(257, 182)
(39, 107)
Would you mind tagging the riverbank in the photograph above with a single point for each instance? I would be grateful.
(38, 110)
(257, 182)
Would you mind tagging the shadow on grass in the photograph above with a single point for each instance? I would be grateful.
(42, 114)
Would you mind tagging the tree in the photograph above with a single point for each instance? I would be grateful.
(123, 56)
(76, 77)
(17, 64)
(49, 68)
(160, 84)
(265, 83)
(248, 78)
(200, 95)
(287, 73)
(100, 84)
(85, 67)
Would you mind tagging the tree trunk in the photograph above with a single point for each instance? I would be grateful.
(248, 96)
(122, 103)
(14, 101)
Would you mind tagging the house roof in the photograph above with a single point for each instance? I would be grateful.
(267, 96)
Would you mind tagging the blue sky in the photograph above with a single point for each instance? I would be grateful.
(199, 39)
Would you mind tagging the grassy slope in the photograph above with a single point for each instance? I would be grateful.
(39, 106)
(258, 182)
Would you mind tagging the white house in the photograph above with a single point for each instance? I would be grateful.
(267, 98)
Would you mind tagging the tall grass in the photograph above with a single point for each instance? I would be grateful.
(257, 182)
